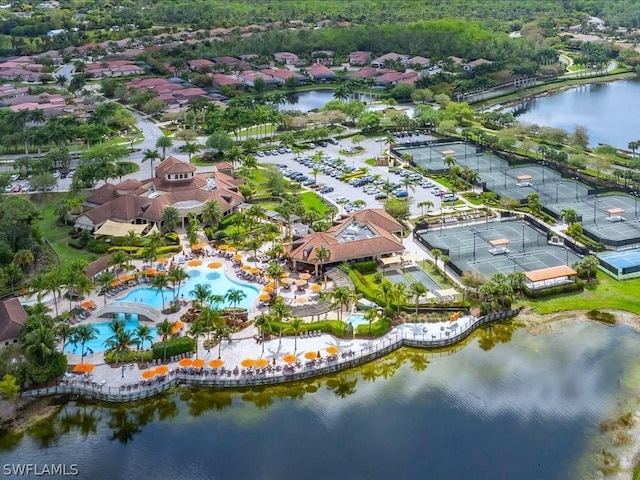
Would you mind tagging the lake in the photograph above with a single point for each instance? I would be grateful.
(607, 110)
(316, 99)
(510, 404)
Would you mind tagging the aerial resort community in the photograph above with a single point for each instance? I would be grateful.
(259, 207)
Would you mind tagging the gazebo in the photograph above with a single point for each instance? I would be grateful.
(524, 180)
(499, 246)
(615, 214)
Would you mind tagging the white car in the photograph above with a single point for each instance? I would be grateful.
(342, 199)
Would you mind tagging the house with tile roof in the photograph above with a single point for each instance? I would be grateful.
(175, 184)
(359, 58)
(364, 235)
(319, 72)
(12, 317)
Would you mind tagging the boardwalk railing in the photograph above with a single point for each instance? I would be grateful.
(375, 349)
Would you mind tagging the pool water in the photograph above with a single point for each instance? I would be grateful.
(356, 319)
(103, 333)
(218, 280)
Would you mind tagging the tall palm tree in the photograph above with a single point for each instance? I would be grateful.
(104, 281)
(295, 325)
(83, 334)
(436, 253)
(221, 332)
(201, 292)
(39, 342)
(164, 142)
(417, 289)
(143, 334)
(263, 322)
(234, 296)
(152, 156)
(190, 149)
(160, 283)
(426, 204)
(165, 329)
(211, 213)
(569, 215)
(121, 342)
(196, 329)
(342, 297)
(371, 316)
(53, 284)
(321, 256)
(176, 276)
(63, 331)
(275, 271)
(170, 218)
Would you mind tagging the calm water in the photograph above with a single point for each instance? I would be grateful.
(607, 110)
(524, 409)
(314, 99)
(218, 279)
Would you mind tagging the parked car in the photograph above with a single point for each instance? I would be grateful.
(260, 153)
(333, 141)
(16, 188)
(381, 196)
(8, 188)
(311, 145)
(15, 177)
(401, 194)
(326, 190)
(322, 143)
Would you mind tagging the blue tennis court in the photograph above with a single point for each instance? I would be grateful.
(621, 264)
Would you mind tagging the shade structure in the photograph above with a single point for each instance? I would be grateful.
(304, 276)
(262, 362)
(301, 300)
(151, 271)
(162, 260)
(198, 246)
(162, 369)
(88, 304)
(216, 363)
(148, 373)
(179, 325)
(254, 270)
(264, 297)
(316, 287)
(126, 278)
(115, 283)
(271, 284)
(286, 274)
(310, 355)
(332, 349)
(84, 368)
(214, 264)
(237, 256)
(246, 268)
(248, 363)
(199, 363)
(289, 358)
(268, 289)
(222, 247)
(231, 249)
(286, 281)
(185, 362)
(194, 263)
(301, 283)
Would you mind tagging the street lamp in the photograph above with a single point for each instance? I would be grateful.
(130, 366)
(523, 227)
(576, 179)
(635, 196)
(505, 177)
(543, 165)
(474, 244)
(595, 203)
(557, 185)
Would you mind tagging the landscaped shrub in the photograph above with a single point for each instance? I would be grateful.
(131, 250)
(576, 286)
(366, 266)
(360, 286)
(97, 246)
(75, 244)
(333, 327)
(604, 317)
(378, 328)
(133, 356)
(171, 238)
(173, 346)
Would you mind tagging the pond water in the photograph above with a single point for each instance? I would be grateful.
(315, 99)
(607, 110)
(527, 408)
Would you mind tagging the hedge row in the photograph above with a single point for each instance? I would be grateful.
(333, 327)
(378, 328)
(366, 267)
(173, 346)
(366, 291)
(576, 286)
(131, 356)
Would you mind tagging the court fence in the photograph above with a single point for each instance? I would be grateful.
(376, 349)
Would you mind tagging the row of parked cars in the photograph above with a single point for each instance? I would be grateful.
(427, 184)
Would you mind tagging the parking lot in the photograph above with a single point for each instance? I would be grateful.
(370, 182)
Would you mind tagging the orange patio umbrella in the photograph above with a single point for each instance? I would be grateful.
(248, 363)
(199, 363)
(151, 271)
(262, 362)
(162, 260)
(254, 270)
(271, 284)
(286, 274)
(267, 289)
(232, 249)
(185, 362)
(126, 278)
(88, 304)
(332, 349)
(301, 300)
(84, 368)
(316, 287)
(310, 355)
(179, 325)
(148, 374)
(162, 369)
(115, 283)
(304, 276)
(301, 283)
(216, 363)
(264, 297)
(290, 358)
(237, 256)
(194, 263)
(198, 246)
(214, 265)
(286, 281)
(246, 268)
(222, 247)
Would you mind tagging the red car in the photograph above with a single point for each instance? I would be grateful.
(16, 188)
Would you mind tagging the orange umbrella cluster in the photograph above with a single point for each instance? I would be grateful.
(194, 263)
(237, 256)
(214, 265)
(316, 287)
(147, 374)
(88, 304)
(332, 349)
(151, 271)
(179, 325)
(254, 270)
(198, 246)
(310, 355)
(84, 368)
(126, 278)
(162, 260)
(248, 363)
(222, 247)
(267, 289)
(264, 297)
(116, 283)
(216, 363)
(185, 362)
(162, 370)
(199, 363)
(262, 362)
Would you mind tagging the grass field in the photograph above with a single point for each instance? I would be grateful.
(608, 294)
(312, 201)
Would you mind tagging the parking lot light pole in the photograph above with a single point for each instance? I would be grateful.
(576, 179)
(523, 227)
(474, 245)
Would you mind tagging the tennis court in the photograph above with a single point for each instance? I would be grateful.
(622, 264)
(432, 156)
(396, 277)
(424, 278)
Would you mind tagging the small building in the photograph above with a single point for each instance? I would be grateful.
(359, 58)
(12, 317)
(200, 65)
(323, 57)
(615, 215)
(499, 246)
(550, 277)
(321, 73)
(524, 180)
(287, 58)
(389, 57)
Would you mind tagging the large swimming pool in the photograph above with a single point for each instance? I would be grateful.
(218, 280)
(103, 333)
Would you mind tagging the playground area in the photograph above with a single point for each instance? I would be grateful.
(504, 247)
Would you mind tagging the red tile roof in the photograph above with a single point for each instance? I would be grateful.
(12, 318)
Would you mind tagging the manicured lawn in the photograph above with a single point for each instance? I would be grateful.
(312, 201)
(608, 294)
(260, 130)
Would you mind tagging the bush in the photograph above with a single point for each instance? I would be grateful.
(133, 356)
(604, 317)
(75, 244)
(576, 286)
(333, 327)
(172, 238)
(378, 328)
(97, 246)
(173, 346)
(366, 266)
(368, 292)
(130, 250)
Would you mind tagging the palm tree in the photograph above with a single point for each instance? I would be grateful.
(211, 213)
(633, 146)
(197, 328)
(104, 280)
(39, 342)
(176, 276)
(165, 329)
(152, 156)
(263, 322)
(201, 292)
(143, 334)
(295, 325)
(164, 142)
(371, 316)
(53, 284)
(321, 256)
(417, 289)
(83, 334)
(342, 297)
(426, 204)
(220, 333)
(449, 161)
(160, 283)
(409, 185)
(170, 218)
(569, 215)
(234, 296)
(436, 253)
(121, 342)
(190, 149)
(63, 331)
(275, 271)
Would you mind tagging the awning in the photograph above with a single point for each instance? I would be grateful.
(408, 257)
(119, 229)
(449, 292)
(499, 242)
(550, 273)
(153, 229)
(523, 178)
(385, 261)
(448, 153)
(615, 211)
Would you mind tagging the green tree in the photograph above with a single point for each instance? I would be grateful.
(170, 218)
(151, 156)
(83, 334)
(9, 387)
(164, 142)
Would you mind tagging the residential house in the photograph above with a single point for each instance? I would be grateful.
(287, 58)
(387, 57)
(359, 58)
(323, 57)
(418, 62)
(476, 63)
(281, 74)
(227, 61)
(12, 318)
(393, 78)
(175, 183)
(319, 72)
(248, 78)
(221, 80)
(363, 235)
(200, 65)
(116, 68)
